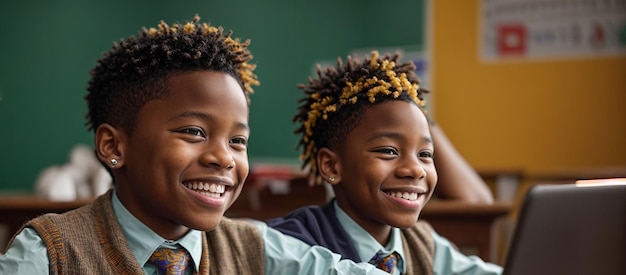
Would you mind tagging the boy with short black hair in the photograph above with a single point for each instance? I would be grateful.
(169, 108)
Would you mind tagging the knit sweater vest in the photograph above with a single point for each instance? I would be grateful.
(89, 240)
(317, 225)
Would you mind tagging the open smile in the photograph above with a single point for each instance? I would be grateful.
(411, 196)
(206, 189)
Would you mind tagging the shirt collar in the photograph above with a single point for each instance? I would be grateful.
(143, 241)
(365, 244)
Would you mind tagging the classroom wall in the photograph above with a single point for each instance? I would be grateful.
(48, 48)
(541, 115)
(536, 115)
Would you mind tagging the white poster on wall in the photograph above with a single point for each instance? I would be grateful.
(539, 29)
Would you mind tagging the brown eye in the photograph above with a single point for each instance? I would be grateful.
(239, 140)
(193, 131)
(388, 151)
(425, 154)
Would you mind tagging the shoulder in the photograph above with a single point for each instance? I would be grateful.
(235, 231)
(228, 224)
(306, 211)
(78, 216)
(236, 238)
(52, 222)
(449, 260)
(308, 224)
(308, 216)
(78, 226)
(26, 254)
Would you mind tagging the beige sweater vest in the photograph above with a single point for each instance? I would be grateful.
(89, 240)
(419, 243)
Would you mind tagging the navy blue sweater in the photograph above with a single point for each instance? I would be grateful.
(317, 225)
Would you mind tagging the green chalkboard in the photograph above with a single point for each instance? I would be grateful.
(48, 48)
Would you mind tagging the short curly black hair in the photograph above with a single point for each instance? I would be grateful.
(335, 101)
(136, 69)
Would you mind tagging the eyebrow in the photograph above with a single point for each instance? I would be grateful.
(207, 117)
(394, 135)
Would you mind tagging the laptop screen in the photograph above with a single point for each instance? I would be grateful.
(570, 229)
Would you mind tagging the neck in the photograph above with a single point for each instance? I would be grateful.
(382, 235)
(166, 229)
(380, 231)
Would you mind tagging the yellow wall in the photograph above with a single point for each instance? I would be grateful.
(536, 115)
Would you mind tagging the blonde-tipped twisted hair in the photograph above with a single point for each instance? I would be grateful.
(136, 69)
(336, 99)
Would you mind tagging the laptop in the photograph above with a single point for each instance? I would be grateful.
(571, 229)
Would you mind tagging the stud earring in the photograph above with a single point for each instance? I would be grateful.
(331, 179)
(113, 163)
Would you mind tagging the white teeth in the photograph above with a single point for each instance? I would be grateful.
(411, 196)
(209, 194)
(207, 189)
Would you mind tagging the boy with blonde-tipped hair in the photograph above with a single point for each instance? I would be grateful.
(363, 130)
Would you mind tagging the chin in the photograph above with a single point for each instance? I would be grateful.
(407, 222)
(207, 223)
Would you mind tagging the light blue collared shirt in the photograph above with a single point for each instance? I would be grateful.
(448, 260)
(282, 254)
(143, 241)
(366, 246)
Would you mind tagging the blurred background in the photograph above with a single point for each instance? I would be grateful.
(507, 101)
(529, 91)
(48, 48)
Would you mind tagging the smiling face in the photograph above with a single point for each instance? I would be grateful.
(186, 161)
(383, 170)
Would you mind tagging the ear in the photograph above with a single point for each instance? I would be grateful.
(110, 144)
(329, 166)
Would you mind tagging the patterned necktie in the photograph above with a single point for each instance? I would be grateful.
(384, 262)
(170, 261)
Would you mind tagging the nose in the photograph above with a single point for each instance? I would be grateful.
(411, 167)
(218, 156)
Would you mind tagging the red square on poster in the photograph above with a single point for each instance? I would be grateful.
(512, 39)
